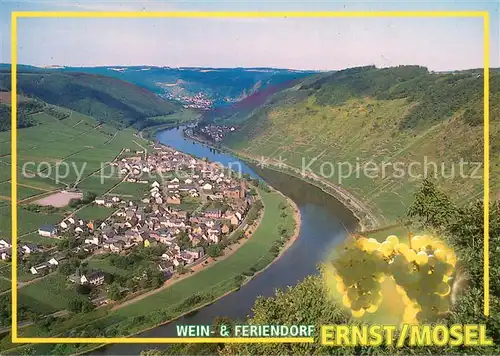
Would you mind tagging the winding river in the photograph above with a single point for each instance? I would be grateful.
(325, 223)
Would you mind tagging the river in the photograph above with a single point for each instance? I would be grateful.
(325, 223)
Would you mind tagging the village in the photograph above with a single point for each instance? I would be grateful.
(214, 133)
(187, 212)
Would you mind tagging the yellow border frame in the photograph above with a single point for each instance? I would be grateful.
(175, 14)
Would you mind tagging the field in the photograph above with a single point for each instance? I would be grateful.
(97, 185)
(130, 190)
(28, 221)
(58, 200)
(102, 263)
(48, 295)
(4, 284)
(37, 239)
(94, 212)
(379, 132)
(63, 152)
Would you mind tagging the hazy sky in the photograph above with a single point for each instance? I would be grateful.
(328, 43)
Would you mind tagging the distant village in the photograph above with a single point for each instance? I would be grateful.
(215, 133)
(196, 101)
(188, 204)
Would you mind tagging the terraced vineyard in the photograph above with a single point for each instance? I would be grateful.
(52, 156)
(394, 116)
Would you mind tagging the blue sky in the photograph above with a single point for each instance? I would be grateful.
(438, 43)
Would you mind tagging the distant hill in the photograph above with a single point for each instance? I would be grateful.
(403, 114)
(240, 110)
(107, 99)
(202, 88)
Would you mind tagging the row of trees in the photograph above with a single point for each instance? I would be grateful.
(24, 110)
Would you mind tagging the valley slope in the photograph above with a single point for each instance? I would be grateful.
(202, 88)
(106, 99)
(395, 116)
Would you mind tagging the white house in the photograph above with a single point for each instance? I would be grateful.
(38, 268)
(99, 201)
(47, 231)
(28, 248)
(214, 238)
(92, 240)
(94, 278)
(207, 186)
(4, 244)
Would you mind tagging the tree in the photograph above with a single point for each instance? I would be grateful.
(87, 306)
(182, 270)
(68, 267)
(75, 305)
(28, 351)
(462, 228)
(157, 279)
(431, 208)
(83, 289)
(214, 250)
(114, 292)
(282, 230)
(222, 321)
(88, 197)
(109, 278)
(306, 303)
(153, 352)
(183, 241)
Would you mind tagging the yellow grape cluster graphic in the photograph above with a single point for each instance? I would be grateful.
(422, 271)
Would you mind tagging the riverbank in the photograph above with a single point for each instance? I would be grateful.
(324, 222)
(222, 271)
(297, 225)
(207, 263)
(291, 240)
(366, 217)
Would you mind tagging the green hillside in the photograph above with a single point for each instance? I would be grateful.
(58, 136)
(107, 99)
(395, 115)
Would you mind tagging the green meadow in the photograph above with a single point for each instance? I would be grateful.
(94, 212)
(48, 295)
(53, 155)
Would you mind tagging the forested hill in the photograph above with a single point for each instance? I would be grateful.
(203, 88)
(402, 114)
(107, 99)
(438, 96)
